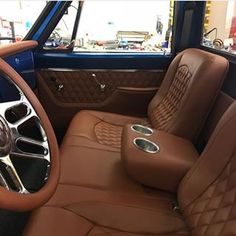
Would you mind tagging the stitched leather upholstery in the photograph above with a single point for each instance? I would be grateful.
(180, 106)
(214, 212)
(95, 195)
(108, 134)
(162, 114)
(207, 193)
(206, 196)
(101, 128)
(80, 87)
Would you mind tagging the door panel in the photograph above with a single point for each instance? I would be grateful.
(126, 91)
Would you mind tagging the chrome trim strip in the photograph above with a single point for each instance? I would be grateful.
(27, 71)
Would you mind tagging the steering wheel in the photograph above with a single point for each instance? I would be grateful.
(20, 198)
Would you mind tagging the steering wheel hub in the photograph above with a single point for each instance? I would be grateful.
(5, 138)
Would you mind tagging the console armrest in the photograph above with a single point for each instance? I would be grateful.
(156, 159)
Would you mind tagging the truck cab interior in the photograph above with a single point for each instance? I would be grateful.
(119, 118)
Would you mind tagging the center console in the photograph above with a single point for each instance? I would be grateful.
(155, 158)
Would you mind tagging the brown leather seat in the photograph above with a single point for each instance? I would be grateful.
(90, 166)
(206, 197)
(180, 107)
(100, 129)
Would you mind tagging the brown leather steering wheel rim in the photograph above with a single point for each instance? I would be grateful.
(24, 202)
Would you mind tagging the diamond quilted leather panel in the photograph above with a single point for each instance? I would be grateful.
(108, 134)
(80, 86)
(214, 212)
(163, 113)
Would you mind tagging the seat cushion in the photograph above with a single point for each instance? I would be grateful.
(100, 169)
(76, 210)
(100, 128)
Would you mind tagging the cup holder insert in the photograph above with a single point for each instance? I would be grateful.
(146, 145)
(142, 129)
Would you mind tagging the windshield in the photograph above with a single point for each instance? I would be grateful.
(16, 22)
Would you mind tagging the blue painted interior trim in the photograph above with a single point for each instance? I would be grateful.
(23, 63)
(47, 20)
(102, 60)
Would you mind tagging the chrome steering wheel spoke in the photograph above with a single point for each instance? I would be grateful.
(21, 145)
(4, 106)
(16, 151)
(13, 175)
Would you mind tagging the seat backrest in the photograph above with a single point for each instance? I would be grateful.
(207, 193)
(187, 93)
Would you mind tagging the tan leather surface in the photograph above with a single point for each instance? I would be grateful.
(47, 225)
(136, 219)
(45, 222)
(207, 192)
(104, 169)
(78, 194)
(24, 202)
(108, 134)
(163, 113)
(74, 141)
(57, 221)
(161, 170)
(96, 168)
(222, 103)
(123, 90)
(144, 214)
(185, 114)
(101, 127)
(13, 48)
(107, 232)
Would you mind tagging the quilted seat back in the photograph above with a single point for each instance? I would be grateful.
(187, 93)
(207, 194)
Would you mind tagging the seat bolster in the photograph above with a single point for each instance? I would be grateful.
(48, 221)
(129, 218)
(83, 125)
(135, 215)
(167, 81)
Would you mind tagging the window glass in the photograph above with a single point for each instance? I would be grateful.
(60, 38)
(125, 26)
(17, 17)
(119, 26)
(220, 26)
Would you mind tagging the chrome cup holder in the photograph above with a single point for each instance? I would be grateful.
(142, 129)
(146, 145)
